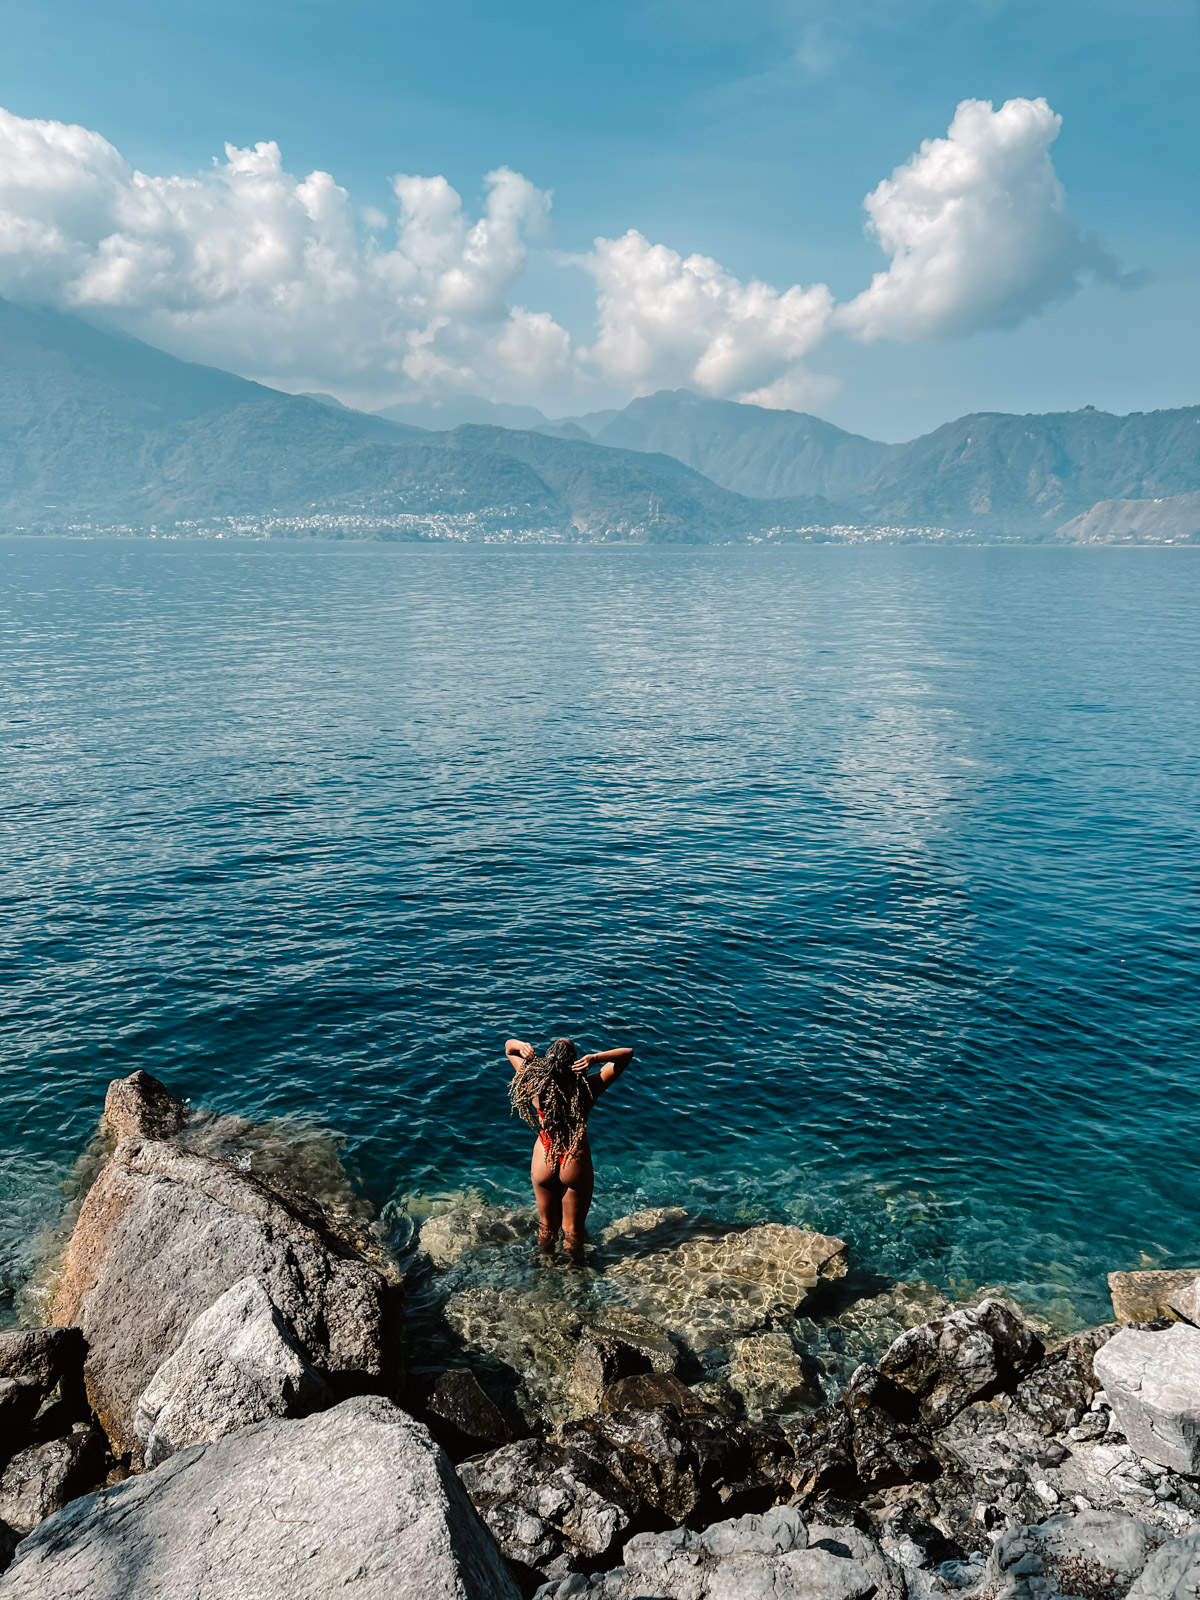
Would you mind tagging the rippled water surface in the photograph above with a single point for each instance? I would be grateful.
(884, 858)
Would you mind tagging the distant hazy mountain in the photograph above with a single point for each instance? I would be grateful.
(744, 448)
(100, 429)
(1028, 475)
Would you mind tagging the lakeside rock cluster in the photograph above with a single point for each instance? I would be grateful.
(222, 1404)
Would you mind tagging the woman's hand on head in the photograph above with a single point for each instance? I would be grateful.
(582, 1063)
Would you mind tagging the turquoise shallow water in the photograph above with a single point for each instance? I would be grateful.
(884, 858)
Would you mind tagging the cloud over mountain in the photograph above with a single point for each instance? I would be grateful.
(977, 228)
(285, 279)
(249, 267)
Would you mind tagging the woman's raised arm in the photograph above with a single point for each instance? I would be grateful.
(518, 1051)
(614, 1064)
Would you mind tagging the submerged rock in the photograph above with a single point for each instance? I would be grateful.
(1144, 1296)
(449, 1235)
(769, 1376)
(1152, 1380)
(237, 1364)
(458, 1400)
(615, 1348)
(164, 1232)
(356, 1500)
(707, 1291)
(647, 1390)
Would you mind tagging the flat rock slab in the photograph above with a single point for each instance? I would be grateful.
(1152, 1380)
(357, 1502)
(1143, 1296)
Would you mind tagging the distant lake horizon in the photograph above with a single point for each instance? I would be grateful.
(883, 856)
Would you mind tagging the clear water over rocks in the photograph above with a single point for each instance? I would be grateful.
(885, 859)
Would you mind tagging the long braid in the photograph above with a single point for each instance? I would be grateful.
(563, 1095)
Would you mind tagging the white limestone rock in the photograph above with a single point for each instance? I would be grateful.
(1152, 1380)
(238, 1363)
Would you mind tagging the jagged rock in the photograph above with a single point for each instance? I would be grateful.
(1143, 1296)
(237, 1364)
(42, 1355)
(769, 1556)
(678, 1465)
(356, 1499)
(44, 1477)
(646, 1390)
(1153, 1384)
(707, 1291)
(1171, 1573)
(948, 1363)
(548, 1507)
(822, 1446)
(139, 1107)
(458, 1399)
(450, 1235)
(1056, 1392)
(164, 1232)
(887, 1448)
(1185, 1302)
(606, 1354)
(1090, 1553)
(770, 1377)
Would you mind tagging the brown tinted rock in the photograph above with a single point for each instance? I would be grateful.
(822, 1446)
(887, 1448)
(1143, 1296)
(649, 1389)
(946, 1364)
(139, 1107)
(164, 1232)
(41, 1479)
(43, 1355)
(458, 1399)
(605, 1355)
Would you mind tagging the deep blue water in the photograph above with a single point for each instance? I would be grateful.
(884, 858)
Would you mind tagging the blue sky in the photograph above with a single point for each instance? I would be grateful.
(747, 133)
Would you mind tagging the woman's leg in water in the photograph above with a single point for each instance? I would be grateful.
(548, 1192)
(578, 1183)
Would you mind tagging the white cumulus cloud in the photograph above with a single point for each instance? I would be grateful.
(249, 267)
(667, 320)
(977, 228)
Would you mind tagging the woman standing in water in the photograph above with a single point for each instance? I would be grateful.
(554, 1094)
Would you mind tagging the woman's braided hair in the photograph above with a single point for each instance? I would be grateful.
(549, 1081)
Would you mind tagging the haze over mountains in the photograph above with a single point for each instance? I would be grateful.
(100, 430)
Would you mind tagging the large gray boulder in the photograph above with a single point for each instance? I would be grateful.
(357, 1501)
(164, 1232)
(946, 1364)
(238, 1364)
(1152, 1379)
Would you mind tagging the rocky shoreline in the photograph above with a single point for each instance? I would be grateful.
(231, 1397)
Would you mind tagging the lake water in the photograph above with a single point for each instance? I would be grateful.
(885, 859)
